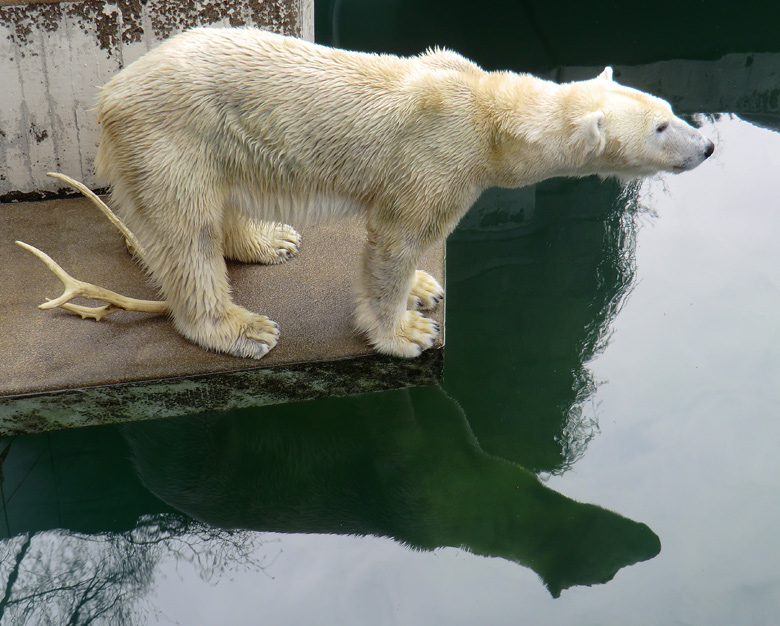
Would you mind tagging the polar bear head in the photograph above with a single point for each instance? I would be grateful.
(587, 127)
(628, 133)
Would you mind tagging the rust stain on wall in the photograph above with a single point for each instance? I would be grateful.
(170, 17)
(282, 16)
(120, 21)
(22, 21)
(39, 134)
(115, 23)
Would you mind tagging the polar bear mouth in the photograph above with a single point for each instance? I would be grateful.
(685, 166)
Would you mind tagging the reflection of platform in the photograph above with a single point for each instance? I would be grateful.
(58, 353)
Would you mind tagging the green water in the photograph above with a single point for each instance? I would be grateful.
(602, 450)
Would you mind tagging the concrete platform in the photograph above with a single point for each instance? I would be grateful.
(59, 370)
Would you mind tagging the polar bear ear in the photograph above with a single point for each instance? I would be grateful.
(590, 134)
(606, 74)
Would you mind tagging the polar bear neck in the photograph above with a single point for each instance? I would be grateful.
(537, 127)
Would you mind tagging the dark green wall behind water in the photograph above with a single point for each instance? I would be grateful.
(538, 35)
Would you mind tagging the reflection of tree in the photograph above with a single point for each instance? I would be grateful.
(13, 573)
(550, 285)
(62, 578)
(615, 274)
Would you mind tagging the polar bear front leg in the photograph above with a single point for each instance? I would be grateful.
(383, 294)
(426, 292)
(252, 241)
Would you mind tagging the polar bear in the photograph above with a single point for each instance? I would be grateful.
(216, 139)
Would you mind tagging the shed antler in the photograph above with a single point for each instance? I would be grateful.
(75, 288)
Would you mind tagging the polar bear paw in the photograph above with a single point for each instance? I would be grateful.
(238, 332)
(426, 292)
(415, 334)
(269, 243)
(255, 338)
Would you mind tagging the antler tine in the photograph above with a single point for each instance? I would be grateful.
(103, 208)
(71, 284)
(75, 288)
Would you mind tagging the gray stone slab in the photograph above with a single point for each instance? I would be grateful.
(56, 368)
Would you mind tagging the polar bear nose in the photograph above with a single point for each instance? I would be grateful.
(709, 149)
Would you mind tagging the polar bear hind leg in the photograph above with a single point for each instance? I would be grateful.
(185, 259)
(252, 241)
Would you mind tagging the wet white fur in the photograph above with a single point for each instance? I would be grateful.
(218, 129)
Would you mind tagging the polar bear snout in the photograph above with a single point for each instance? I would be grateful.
(697, 158)
(691, 147)
(703, 154)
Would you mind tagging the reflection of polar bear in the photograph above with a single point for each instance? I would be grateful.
(218, 128)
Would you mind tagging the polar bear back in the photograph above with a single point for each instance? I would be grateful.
(277, 113)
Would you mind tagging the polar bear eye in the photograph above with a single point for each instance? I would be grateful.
(662, 127)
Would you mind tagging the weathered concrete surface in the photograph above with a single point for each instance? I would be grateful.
(55, 55)
(49, 351)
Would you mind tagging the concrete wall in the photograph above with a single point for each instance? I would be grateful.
(55, 55)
